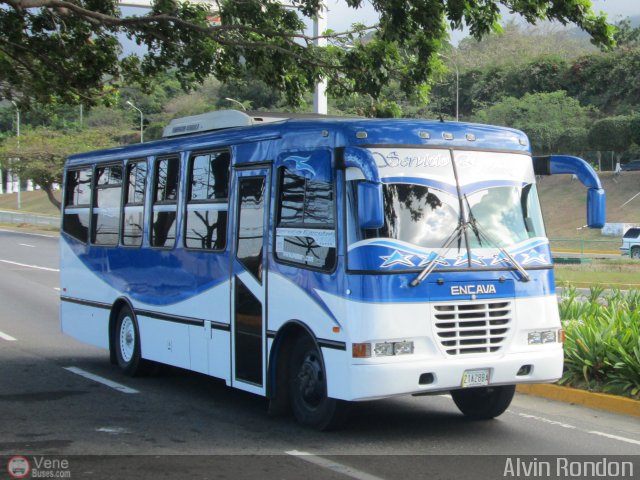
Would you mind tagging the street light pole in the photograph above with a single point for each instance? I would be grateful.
(233, 100)
(319, 28)
(141, 120)
(18, 140)
(455, 66)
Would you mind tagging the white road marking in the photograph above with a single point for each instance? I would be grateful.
(8, 338)
(591, 432)
(26, 245)
(615, 437)
(333, 466)
(96, 378)
(30, 266)
(57, 289)
(546, 420)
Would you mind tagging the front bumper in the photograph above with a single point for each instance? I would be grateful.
(371, 381)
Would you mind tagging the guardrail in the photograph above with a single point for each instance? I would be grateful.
(582, 246)
(16, 218)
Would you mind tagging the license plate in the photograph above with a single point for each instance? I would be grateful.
(475, 378)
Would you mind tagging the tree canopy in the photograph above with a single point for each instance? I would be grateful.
(68, 50)
(39, 154)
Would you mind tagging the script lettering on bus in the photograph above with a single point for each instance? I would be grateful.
(412, 159)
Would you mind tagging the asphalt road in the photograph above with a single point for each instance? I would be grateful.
(177, 424)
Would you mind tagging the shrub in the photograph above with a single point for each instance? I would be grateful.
(602, 346)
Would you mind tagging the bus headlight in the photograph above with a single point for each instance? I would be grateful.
(402, 348)
(381, 349)
(542, 337)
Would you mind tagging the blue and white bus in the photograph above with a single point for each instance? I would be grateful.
(319, 262)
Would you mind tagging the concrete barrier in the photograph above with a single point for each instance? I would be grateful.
(7, 216)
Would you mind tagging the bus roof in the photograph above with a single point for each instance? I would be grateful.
(304, 133)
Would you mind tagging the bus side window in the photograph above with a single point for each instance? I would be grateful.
(306, 232)
(208, 201)
(106, 206)
(166, 182)
(136, 179)
(77, 204)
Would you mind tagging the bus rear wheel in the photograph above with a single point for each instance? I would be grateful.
(126, 343)
(483, 403)
(307, 384)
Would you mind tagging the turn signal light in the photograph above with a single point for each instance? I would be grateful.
(361, 350)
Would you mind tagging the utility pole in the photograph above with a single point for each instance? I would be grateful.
(18, 140)
(319, 28)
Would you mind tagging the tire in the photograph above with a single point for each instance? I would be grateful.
(483, 403)
(126, 343)
(635, 252)
(307, 386)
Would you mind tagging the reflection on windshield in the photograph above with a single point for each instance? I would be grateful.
(427, 217)
(417, 214)
(509, 214)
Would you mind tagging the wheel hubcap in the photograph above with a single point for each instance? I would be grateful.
(127, 339)
(311, 380)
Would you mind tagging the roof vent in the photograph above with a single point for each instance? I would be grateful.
(217, 120)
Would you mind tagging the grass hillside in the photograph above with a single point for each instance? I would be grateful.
(563, 204)
(31, 202)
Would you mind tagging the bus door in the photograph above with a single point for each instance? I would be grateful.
(248, 278)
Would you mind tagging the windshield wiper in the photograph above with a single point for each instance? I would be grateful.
(480, 233)
(430, 267)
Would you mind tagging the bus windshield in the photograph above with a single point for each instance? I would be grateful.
(426, 200)
(418, 215)
(509, 215)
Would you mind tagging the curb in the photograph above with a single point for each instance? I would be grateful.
(598, 401)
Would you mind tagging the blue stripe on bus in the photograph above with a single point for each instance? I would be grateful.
(180, 275)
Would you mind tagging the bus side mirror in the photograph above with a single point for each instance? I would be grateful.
(596, 204)
(370, 205)
(596, 208)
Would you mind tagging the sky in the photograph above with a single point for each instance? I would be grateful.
(341, 17)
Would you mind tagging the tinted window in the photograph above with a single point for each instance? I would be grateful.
(78, 190)
(251, 225)
(134, 204)
(632, 233)
(305, 201)
(75, 220)
(166, 186)
(209, 176)
(306, 224)
(106, 208)
(163, 227)
(206, 220)
(136, 182)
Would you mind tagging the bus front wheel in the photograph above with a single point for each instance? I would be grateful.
(307, 385)
(483, 403)
(126, 343)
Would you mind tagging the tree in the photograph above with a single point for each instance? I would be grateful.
(613, 133)
(39, 154)
(69, 50)
(549, 119)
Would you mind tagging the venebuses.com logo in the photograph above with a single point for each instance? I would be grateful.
(18, 467)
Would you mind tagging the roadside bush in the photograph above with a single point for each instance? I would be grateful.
(602, 346)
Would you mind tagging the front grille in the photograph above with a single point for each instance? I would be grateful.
(472, 327)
